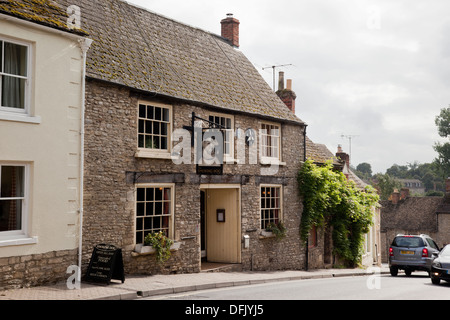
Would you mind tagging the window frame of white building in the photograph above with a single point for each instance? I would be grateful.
(22, 232)
(146, 134)
(144, 204)
(227, 121)
(8, 110)
(270, 141)
(268, 202)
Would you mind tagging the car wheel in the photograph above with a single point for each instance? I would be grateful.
(394, 271)
(408, 272)
(435, 280)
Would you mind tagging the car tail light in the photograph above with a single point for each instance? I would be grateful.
(424, 253)
(391, 252)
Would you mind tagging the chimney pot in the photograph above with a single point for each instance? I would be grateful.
(395, 197)
(281, 80)
(289, 84)
(230, 29)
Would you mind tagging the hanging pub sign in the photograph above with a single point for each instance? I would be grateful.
(208, 143)
(106, 263)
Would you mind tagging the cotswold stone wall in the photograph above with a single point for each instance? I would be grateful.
(36, 269)
(111, 170)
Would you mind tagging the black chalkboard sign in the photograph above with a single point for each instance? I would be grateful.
(106, 264)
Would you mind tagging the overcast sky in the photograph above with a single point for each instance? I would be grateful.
(375, 71)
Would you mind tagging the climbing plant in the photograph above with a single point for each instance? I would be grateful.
(330, 199)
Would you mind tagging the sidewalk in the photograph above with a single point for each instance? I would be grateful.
(136, 287)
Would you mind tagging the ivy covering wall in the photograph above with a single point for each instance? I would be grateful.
(329, 199)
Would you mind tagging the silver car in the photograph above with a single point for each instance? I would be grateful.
(411, 253)
(440, 268)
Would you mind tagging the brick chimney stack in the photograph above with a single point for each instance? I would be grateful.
(230, 29)
(395, 197)
(286, 95)
(340, 154)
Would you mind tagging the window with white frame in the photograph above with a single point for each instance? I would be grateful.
(271, 206)
(225, 122)
(270, 140)
(154, 210)
(154, 127)
(14, 76)
(12, 199)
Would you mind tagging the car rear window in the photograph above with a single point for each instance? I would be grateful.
(411, 242)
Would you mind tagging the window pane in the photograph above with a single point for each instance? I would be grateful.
(156, 127)
(1, 56)
(12, 184)
(149, 209)
(149, 142)
(157, 113)
(158, 208)
(141, 126)
(164, 129)
(148, 127)
(15, 59)
(166, 115)
(139, 224)
(139, 237)
(141, 141)
(140, 209)
(150, 194)
(158, 194)
(142, 111)
(163, 143)
(150, 112)
(10, 215)
(13, 92)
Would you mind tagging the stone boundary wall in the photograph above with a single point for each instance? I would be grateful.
(36, 269)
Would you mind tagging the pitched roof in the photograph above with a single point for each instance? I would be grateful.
(413, 214)
(140, 49)
(43, 12)
(319, 153)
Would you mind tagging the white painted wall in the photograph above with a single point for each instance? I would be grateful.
(51, 147)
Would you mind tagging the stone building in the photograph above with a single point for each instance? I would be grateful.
(160, 95)
(404, 214)
(40, 142)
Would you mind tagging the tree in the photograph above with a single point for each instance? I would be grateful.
(443, 122)
(443, 149)
(365, 169)
(386, 185)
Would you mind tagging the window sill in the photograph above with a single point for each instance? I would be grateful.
(272, 161)
(150, 154)
(266, 234)
(141, 250)
(9, 241)
(9, 116)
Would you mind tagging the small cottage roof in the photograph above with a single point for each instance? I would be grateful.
(319, 153)
(44, 12)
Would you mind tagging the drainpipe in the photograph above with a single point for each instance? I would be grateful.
(304, 160)
(84, 44)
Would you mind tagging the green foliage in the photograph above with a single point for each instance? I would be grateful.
(161, 244)
(443, 149)
(443, 122)
(279, 230)
(329, 199)
(386, 185)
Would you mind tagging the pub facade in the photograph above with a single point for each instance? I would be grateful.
(184, 137)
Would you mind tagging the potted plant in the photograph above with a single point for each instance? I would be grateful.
(157, 243)
(161, 244)
(277, 229)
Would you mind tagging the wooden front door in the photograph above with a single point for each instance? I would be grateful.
(223, 225)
